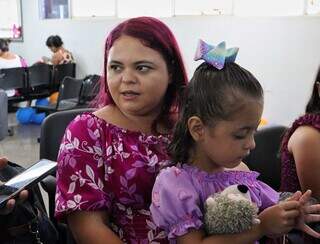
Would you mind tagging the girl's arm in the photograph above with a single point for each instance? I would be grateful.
(304, 144)
(91, 227)
(275, 220)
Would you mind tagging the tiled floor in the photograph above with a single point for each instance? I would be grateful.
(22, 148)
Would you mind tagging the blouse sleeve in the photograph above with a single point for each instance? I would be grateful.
(175, 203)
(81, 169)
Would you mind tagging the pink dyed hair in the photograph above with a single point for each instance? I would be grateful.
(154, 34)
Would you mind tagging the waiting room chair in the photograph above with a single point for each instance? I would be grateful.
(90, 89)
(60, 72)
(39, 80)
(68, 97)
(265, 158)
(52, 130)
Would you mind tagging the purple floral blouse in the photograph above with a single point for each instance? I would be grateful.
(104, 167)
(180, 192)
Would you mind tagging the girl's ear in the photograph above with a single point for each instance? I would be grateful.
(196, 128)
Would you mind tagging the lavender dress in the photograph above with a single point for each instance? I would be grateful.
(104, 167)
(179, 194)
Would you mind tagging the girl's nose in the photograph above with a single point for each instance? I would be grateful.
(251, 144)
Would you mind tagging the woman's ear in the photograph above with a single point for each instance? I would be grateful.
(196, 128)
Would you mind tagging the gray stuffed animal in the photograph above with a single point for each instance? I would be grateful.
(230, 211)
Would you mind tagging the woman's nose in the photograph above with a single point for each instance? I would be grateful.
(128, 76)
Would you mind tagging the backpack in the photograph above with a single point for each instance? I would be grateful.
(28, 223)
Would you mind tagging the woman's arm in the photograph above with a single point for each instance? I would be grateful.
(91, 227)
(304, 144)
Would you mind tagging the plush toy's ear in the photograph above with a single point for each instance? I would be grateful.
(210, 201)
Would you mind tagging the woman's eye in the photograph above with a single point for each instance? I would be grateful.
(143, 68)
(115, 67)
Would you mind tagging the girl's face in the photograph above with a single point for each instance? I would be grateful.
(228, 142)
(137, 77)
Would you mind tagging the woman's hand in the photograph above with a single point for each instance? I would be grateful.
(308, 214)
(11, 203)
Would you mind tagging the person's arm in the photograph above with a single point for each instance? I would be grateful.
(11, 203)
(91, 227)
(304, 144)
(56, 58)
(275, 220)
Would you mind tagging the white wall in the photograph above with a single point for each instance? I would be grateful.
(283, 52)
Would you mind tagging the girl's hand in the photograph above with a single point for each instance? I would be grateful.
(11, 203)
(279, 219)
(308, 214)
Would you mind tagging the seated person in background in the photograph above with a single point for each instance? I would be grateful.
(9, 60)
(300, 154)
(60, 54)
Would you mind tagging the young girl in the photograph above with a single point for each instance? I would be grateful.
(109, 159)
(220, 114)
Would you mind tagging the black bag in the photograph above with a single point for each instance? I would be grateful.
(28, 223)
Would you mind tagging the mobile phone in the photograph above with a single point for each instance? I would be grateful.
(26, 179)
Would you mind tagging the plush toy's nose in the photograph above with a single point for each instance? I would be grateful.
(242, 188)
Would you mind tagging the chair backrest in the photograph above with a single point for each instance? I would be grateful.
(3, 115)
(12, 78)
(39, 75)
(60, 71)
(69, 89)
(90, 88)
(265, 158)
(52, 130)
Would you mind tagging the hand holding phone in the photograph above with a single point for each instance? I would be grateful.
(25, 180)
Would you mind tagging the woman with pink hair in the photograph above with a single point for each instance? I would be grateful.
(109, 159)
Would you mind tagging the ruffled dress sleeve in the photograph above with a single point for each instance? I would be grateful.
(175, 203)
(81, 168)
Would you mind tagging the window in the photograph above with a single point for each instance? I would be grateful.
(313, 7)
(10, 19)
(54, 9)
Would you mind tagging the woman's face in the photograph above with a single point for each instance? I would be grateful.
(53, 49)
(137, 77)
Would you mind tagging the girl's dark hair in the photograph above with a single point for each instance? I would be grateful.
(54, 41)
(4, 45)
(313, 105)
(156, 35)
(212, 95)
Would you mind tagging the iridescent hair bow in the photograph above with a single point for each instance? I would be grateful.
(217, 56)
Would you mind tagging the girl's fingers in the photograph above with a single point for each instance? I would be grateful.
(305, 197)
(290, 205)
(296, 196)
(292, 214)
